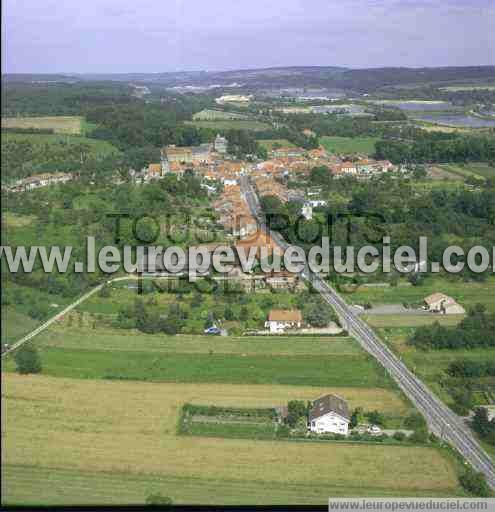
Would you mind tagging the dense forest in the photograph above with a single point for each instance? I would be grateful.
(390, 205)
(135, 129)
(27, 99)
(438, 147)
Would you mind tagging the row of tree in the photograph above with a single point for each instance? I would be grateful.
(456, 148)
(483, 425)
(468, 369)
(476, 330)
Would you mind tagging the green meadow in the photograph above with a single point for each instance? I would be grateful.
(349, 144)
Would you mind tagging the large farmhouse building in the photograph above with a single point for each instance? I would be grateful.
(441, 303)
(281, 319)
(329, 414)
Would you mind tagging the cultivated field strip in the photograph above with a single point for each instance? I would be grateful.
(82, 426)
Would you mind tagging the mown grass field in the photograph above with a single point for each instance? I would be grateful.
(233, 124)
(357, 370)
(268, 144)
(466, 293)
(16, 324)
(449, 185)
(73, 441)
(132, 340)
(14, 221)
(411, 320)
(83, 353)
(432, 127)
(349, 145)
(71, 125)
(217, 115)
(97, 147)
(476, 169)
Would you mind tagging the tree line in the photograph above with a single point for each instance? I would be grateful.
(431, 148)
(476, 330)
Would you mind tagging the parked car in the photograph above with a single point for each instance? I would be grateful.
(213, 331)
(374, 429)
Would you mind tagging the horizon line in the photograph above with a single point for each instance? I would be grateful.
(230, 70)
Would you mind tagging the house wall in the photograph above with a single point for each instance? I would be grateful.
(436, 306)
(454, 309)
(447, 307)
(278, 327)
(330, 423)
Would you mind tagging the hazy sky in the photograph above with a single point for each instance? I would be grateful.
(172, 35)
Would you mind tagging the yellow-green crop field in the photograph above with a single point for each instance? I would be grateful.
(83, 441)
(70, 125)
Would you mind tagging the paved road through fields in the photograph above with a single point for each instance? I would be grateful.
(441, 420)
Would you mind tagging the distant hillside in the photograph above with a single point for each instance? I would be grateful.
(372, 79)
(361, 80)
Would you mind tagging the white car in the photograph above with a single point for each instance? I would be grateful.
(374, 429)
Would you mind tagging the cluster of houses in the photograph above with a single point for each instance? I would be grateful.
(285, 161)
(233, 212)
(204, 153)
(269, 186)
(362, 168)
(40, 180)
(257, 282)
(287, 152)
(177, 159)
